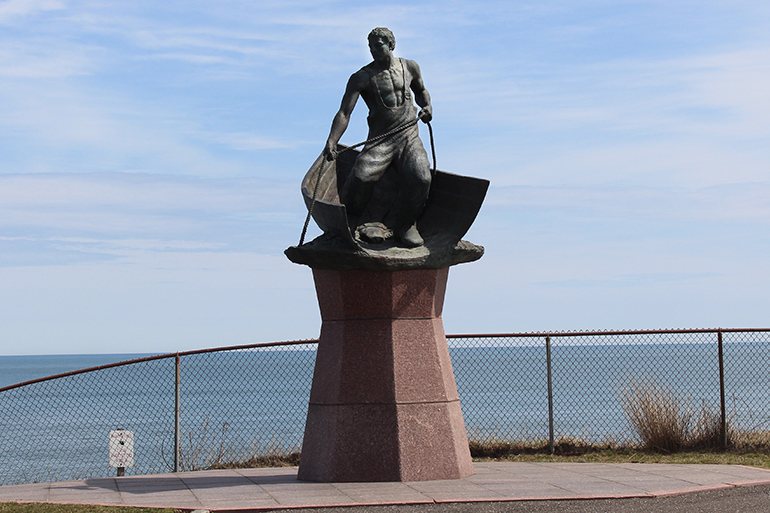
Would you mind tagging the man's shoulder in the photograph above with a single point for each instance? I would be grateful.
(361, 77)
(411, 65)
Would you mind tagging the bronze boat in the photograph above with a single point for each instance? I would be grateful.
(452, 205)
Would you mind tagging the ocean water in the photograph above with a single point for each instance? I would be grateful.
(18, 369)
(238, 404)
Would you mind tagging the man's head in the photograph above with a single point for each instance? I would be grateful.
(382, 32)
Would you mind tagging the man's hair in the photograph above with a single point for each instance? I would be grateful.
(384, 33)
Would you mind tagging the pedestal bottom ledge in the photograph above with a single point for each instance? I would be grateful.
(385, 442)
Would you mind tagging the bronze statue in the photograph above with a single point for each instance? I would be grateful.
(386, 85)
(370, 203)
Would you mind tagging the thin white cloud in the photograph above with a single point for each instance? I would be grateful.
(42, 59)
(245, 141)
(110, 133)
(137, 244)
(629, 280)
(139, 192)
(13, 10)
(131, 205)
(743, 204)
(699, 120)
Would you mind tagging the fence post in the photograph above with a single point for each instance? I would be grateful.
(723, 424)
(550, 394)
(177, 410)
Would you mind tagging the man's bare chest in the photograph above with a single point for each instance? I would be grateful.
(389, 84)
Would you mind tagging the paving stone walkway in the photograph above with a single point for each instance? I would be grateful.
(270, 488)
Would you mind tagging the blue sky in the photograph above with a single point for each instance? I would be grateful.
(151, 154)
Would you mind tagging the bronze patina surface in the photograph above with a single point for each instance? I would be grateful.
(383, 208)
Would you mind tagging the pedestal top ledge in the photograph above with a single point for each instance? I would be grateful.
(330, 252)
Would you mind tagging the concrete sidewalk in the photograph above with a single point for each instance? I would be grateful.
(270, 488)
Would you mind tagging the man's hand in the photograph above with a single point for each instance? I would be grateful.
(426, 114)
(330, 151)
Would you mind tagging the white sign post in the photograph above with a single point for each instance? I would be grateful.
(121, 450)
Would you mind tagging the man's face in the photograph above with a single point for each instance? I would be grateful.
(380, 48)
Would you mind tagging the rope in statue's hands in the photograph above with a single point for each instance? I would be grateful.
(326, 163)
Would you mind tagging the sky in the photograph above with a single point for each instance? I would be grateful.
(151, 155)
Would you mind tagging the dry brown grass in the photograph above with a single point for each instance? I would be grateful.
(666, 423)
(563, 446)
(750, 449)
(706, 433)
(747, 442)
(631, 455)
(669, 430)
(661, 419)
(271, 460)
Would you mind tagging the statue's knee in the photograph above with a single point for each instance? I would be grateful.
(369, 174)
(422, 181)
(419, 173)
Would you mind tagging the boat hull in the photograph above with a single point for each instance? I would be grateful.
(452, 205)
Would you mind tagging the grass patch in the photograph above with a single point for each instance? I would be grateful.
(272, 460)
(34, 507)
(564, 446)
(752, 459)
(750, 448)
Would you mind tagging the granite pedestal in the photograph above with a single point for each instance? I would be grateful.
(384, 403)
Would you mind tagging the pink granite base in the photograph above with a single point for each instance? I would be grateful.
(384, 403)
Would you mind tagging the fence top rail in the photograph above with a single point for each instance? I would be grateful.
(554, 334)
(315, 341)
(160, 357)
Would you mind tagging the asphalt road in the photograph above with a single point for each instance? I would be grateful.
(748, 499)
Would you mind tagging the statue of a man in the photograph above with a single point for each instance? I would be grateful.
(386, 85)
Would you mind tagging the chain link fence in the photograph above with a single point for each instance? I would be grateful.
(504, 381)
(199, 409)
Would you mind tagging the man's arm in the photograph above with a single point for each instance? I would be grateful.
(342, 118)
(421, 96)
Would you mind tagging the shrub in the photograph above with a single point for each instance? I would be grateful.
(661, 419)
(707, 432)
